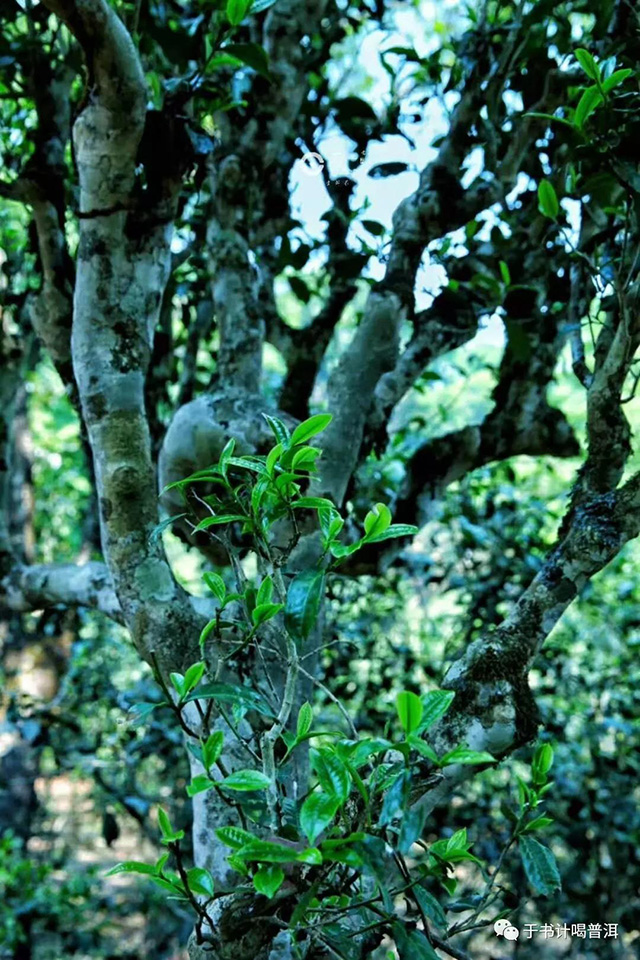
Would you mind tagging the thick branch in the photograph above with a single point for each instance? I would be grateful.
(438, 206)
(122, 270)
(494, 708)
(522, 421)
(39, 587)
(115, 74)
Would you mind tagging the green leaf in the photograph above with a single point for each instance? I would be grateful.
(305, 719)
(304, 596)
(587, 63)
(216, 584)
(340, 550)
(316, 813)
(377, 521)
(222, 518)
(268, 880)
(278, 428)
(246, 780)
(131, 866)
(267, 851)
(164, 823)
(311, 503)
(588, 102)
(310, 855)
(255, 464)
(177, 681)
(539, 865)
(234, 837)
(547, 200)
(227, 453)
(206, 631)
(539, 823)
(309, 428)
(193, 676)
(200, 882)
(374, 228)
(542, 763)
(198, 785)
(264, 612)
(172, 886)
(232, 693)
(212, 748)
(159, 529)
(305, 457)
(411, 828)
(395, 530)
(412, 944)
(265, 593)
(237, 10)
(140, 712)
(436, 704)
(616, 78)
(169, 835)
(549, 116)
(409, 707)
(332, 773)
(238, 865)
(504, 273)
(430, 907)
(423, 748)
(458, 841)
(360, 752)
(395, 798)
(252, 54)
(465, 756)
(331, 523)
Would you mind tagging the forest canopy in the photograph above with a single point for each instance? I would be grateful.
(319, 484)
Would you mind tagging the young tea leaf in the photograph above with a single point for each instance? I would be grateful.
(305, 719)
(237, 10)
(588, 64)
(200, 882)
(234, 837)
(395, 530)
(278, 428)
(410, 709)
(377, 521)
(245, 780)
(216, 584)
(303, 603)
(198, 785)
(547, 200)
(316, 813)
(131, 866)
(465, 756)
(268, 880)
(435, 704)
(309, 428)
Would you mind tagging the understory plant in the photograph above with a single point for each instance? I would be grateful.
(326, 825)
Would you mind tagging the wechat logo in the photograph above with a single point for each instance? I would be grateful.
(503, 928)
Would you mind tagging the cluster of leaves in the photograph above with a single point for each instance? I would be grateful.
(31, 896)
(360, 813)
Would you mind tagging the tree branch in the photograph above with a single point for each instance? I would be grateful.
(41, 586)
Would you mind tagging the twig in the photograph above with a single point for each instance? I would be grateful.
(333, 698)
